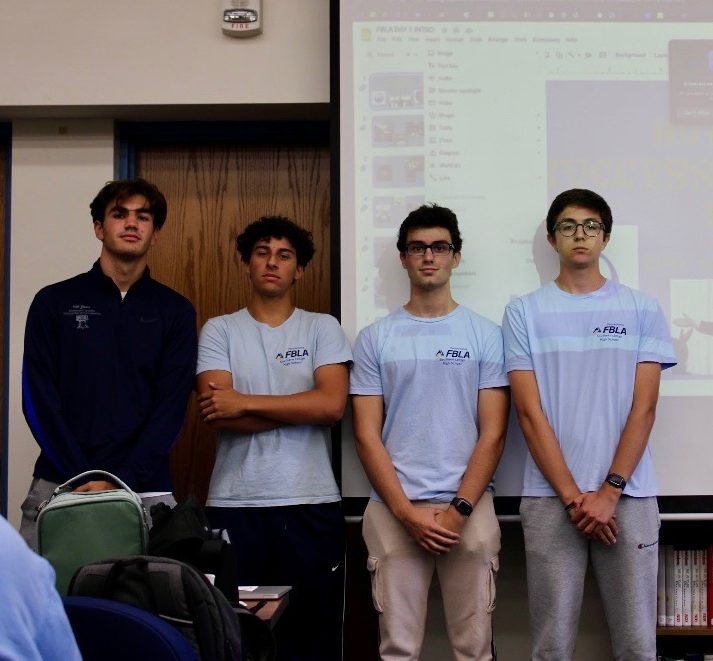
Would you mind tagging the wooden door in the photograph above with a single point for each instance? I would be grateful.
(213, 192)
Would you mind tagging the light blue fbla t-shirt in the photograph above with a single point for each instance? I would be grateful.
(429, 372)
(289, 465)
(584, 351)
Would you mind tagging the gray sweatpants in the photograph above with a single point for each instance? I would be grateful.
(557, 558)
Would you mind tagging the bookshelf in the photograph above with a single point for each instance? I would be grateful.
(684, 533)
(684, 631)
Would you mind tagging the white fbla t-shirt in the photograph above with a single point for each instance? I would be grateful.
(289, 465)
(584, 350)
(429, 372)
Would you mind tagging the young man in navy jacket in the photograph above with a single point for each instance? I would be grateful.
(109, 360)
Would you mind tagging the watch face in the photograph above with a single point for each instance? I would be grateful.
(463, 506)
(616, 481)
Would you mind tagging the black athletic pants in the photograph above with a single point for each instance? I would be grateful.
(302, 546)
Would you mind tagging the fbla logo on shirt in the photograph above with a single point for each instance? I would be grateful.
(610, 332)
(292, 356)
(453, 356)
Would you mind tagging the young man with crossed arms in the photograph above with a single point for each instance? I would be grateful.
(272, 379)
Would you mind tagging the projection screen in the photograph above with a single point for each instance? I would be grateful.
(491, 109)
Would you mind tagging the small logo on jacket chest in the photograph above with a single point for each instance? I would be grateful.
(81, 314)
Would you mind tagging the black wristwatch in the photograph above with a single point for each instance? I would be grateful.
(462, 506)
(617, 481)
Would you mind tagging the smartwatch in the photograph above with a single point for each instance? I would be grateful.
(617, 481)
(462, 506)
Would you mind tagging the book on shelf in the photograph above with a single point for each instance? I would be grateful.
(684, 587)
(695, 588)
(670, 612)
(704, 589)
(661, 589)
(678, 587)
(710, 585)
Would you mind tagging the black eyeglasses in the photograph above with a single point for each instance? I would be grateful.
(569, 227)
(439, 248)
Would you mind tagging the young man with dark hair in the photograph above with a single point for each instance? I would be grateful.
(109, 360)
(272, 379)
(117, 192)
(584, 357)
(430, 401)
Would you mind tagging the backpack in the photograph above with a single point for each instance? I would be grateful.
(183, 533)
(173, 590)
(76, 528)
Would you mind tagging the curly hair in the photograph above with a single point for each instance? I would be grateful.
(276, 227)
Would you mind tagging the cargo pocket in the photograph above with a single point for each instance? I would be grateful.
(492, 576)
(372, 564)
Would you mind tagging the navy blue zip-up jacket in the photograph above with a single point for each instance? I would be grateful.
(105, 382)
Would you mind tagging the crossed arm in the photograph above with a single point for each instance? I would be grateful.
(594, 512)
(435, 530)
(223, 407)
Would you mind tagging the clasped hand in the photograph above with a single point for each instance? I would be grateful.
(433, 529)
(593, 514)
(221, 402)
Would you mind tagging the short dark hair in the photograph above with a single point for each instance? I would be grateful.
(579, 197)
(276, 227)
(121, 189)
(430, 215)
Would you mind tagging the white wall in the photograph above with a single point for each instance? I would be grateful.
(133, 52)
(57, 168)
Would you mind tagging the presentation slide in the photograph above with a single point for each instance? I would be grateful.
(492, 109)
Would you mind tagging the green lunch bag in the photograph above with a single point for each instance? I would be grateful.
(74, 529)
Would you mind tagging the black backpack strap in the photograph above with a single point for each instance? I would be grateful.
(215, 625)
(256, 637)
(129, 580)
(217, 557)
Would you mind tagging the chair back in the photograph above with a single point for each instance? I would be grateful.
(111, 631)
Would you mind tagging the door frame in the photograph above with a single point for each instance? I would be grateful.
(6, 148)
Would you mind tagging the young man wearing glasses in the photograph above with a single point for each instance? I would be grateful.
(584, 355)
(430, 409)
